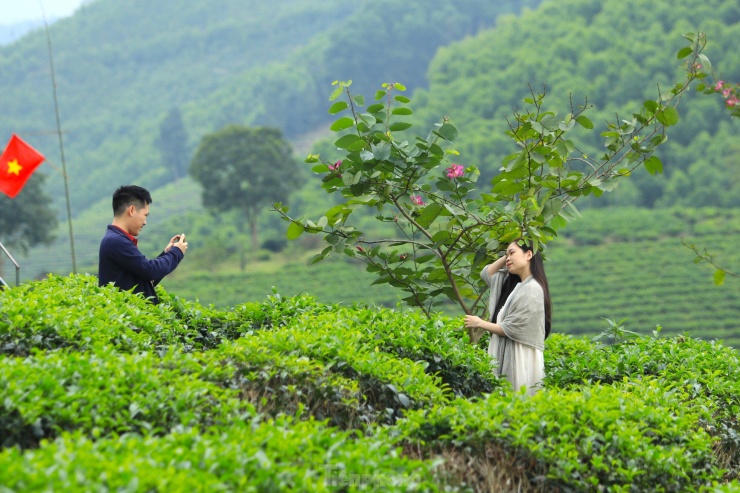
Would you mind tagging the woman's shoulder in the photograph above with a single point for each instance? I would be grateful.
(531, 285)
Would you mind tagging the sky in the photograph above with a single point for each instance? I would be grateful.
(15, 11)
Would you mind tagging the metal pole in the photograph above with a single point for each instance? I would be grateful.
(17, 267)
(61, 148)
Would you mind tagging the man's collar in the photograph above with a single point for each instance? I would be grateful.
(132, 238)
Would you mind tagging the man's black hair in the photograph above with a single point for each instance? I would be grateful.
(130, 194)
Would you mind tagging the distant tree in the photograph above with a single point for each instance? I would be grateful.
(244, 168)
(28, 219)
(172, 144)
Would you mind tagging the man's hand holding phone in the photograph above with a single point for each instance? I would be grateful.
(179, 242)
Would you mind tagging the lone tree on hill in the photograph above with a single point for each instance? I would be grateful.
(244, 168)
(172, 143)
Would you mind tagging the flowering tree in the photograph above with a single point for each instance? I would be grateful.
(446, 230)
(730, 92)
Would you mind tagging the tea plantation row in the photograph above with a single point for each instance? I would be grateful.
(617, 263)
(102, 391)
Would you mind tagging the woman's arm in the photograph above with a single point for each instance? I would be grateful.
(475, 322)
(497, 265)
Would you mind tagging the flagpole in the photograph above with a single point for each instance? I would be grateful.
(61, 144)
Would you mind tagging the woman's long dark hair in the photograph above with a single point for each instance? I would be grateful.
(537, 266)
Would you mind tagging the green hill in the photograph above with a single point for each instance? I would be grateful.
(248, 64)
(615, 55)
(121, 66)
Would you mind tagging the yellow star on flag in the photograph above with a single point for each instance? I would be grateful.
(14, 167)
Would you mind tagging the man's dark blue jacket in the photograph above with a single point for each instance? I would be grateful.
(121, 263)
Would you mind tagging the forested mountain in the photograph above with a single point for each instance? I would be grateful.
(616, 54)
(121, 66)
(11, 32)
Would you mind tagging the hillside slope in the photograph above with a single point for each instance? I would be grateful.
(615, 55)
(121, 66)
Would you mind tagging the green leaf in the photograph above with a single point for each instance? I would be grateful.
(294, 231)
(651, 106)
(316, 259)
(357, 146)
(654, 165)
(382, 151)
(719, 277)
(375, 108)
(668, 116)
(342, 124)
(402, 99)
(402, 111)
(398, 126)
(684, 52)
(429, 214)
(447, 132)
(347, 140)
(706, 64)
(368, 119)
(558, 222)
(585, 122)
(425, 258)
(336, 93)
(441, 236)
(337, 107)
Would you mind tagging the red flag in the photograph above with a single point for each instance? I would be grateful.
(17, 164)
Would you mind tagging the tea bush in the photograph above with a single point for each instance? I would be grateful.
(104, 393)
(73, 312)
(705, 374)
(102, 390)
(445, 350)
(596, 437)
(385, 380)
(280, 455)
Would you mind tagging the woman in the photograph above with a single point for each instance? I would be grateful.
(521, 315)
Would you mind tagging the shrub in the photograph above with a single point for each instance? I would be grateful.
(596, 437)
(272, 455)
(103, 393)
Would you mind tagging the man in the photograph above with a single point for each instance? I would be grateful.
(120, 261)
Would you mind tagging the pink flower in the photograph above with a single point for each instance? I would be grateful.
(360, 248)
(416, 199)
(732, 102)
(335, 166)
(726, 93)
(455, 171)
(720, 84)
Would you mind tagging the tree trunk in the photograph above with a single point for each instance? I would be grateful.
(253, 231)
